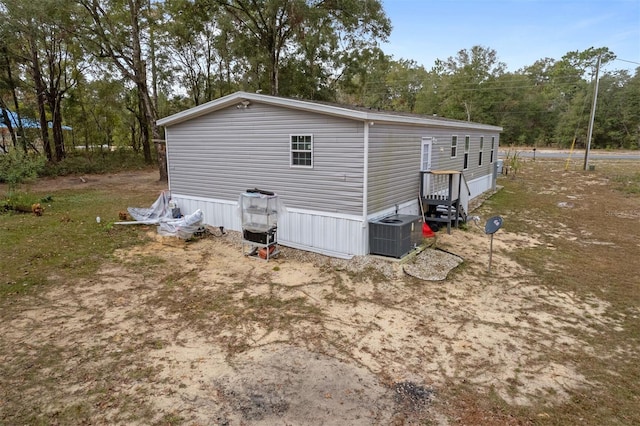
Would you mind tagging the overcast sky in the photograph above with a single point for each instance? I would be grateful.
(520, 31)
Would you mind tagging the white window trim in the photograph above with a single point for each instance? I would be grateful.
(425, 141)
(493, 143)
(456, 146)
(467, 148)
(480, 151)
(291, 151)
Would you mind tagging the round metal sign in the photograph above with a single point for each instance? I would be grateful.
(493, 224)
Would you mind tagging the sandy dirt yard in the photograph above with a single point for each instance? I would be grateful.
(174, 332)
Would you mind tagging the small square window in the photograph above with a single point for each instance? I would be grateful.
(301, 150)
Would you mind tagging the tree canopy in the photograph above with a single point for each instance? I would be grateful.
(110, 68)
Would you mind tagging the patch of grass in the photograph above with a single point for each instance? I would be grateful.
(148, 261)
(628, 183)
(65, 242)
(19, 202)
(275, 312)
(471, 408)
(596, 262)
(369, 273)
(172, 419)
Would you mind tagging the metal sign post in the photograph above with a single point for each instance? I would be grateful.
(491, 227)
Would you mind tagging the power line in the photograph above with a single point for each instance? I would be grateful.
(494, 84)
(630, 62)
(455, 88)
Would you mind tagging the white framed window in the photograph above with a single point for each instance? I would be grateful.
(467, 144)
(454, 146)
(301, 151)
(493, 145)
(480, 150)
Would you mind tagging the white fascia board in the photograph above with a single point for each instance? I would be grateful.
(200, 110)
(234, 98)
(311, 107)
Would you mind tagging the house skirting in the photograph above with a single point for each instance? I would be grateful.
(331, 234)
(480, 185)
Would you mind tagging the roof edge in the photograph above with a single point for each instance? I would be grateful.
(344, 112)
(237, 97)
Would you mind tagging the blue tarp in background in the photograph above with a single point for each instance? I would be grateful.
(27, 123)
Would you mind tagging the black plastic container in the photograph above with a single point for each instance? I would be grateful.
(259, 237)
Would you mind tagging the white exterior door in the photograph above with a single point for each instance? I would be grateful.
(425, 164)
(425, 156)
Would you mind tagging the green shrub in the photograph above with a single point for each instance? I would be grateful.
(17, 167)
(18, 201)
(100, 161)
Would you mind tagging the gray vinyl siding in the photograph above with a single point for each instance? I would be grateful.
(442, 146)
(394, 159)
(221, 154)
(441, 150)
(475, 171)
(394, 163)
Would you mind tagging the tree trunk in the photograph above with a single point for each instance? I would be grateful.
(14, 95)
(44, 126)
(58, 136)
(143, 119)
(41, 98)
(161, 152)
(7, 122)
(54, 98)
(467, 111)
(274, 73)
(16, 107)
(147, 111)
(152, 53)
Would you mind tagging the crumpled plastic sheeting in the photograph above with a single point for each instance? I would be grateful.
(158, 211)
(280, 210)
(184, 227)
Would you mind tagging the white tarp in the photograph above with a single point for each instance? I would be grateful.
(184, 227)
(159, 210)
(161, 213)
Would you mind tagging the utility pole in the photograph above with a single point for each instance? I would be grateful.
(593, 115)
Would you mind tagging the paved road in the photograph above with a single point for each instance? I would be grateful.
(577, 154)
